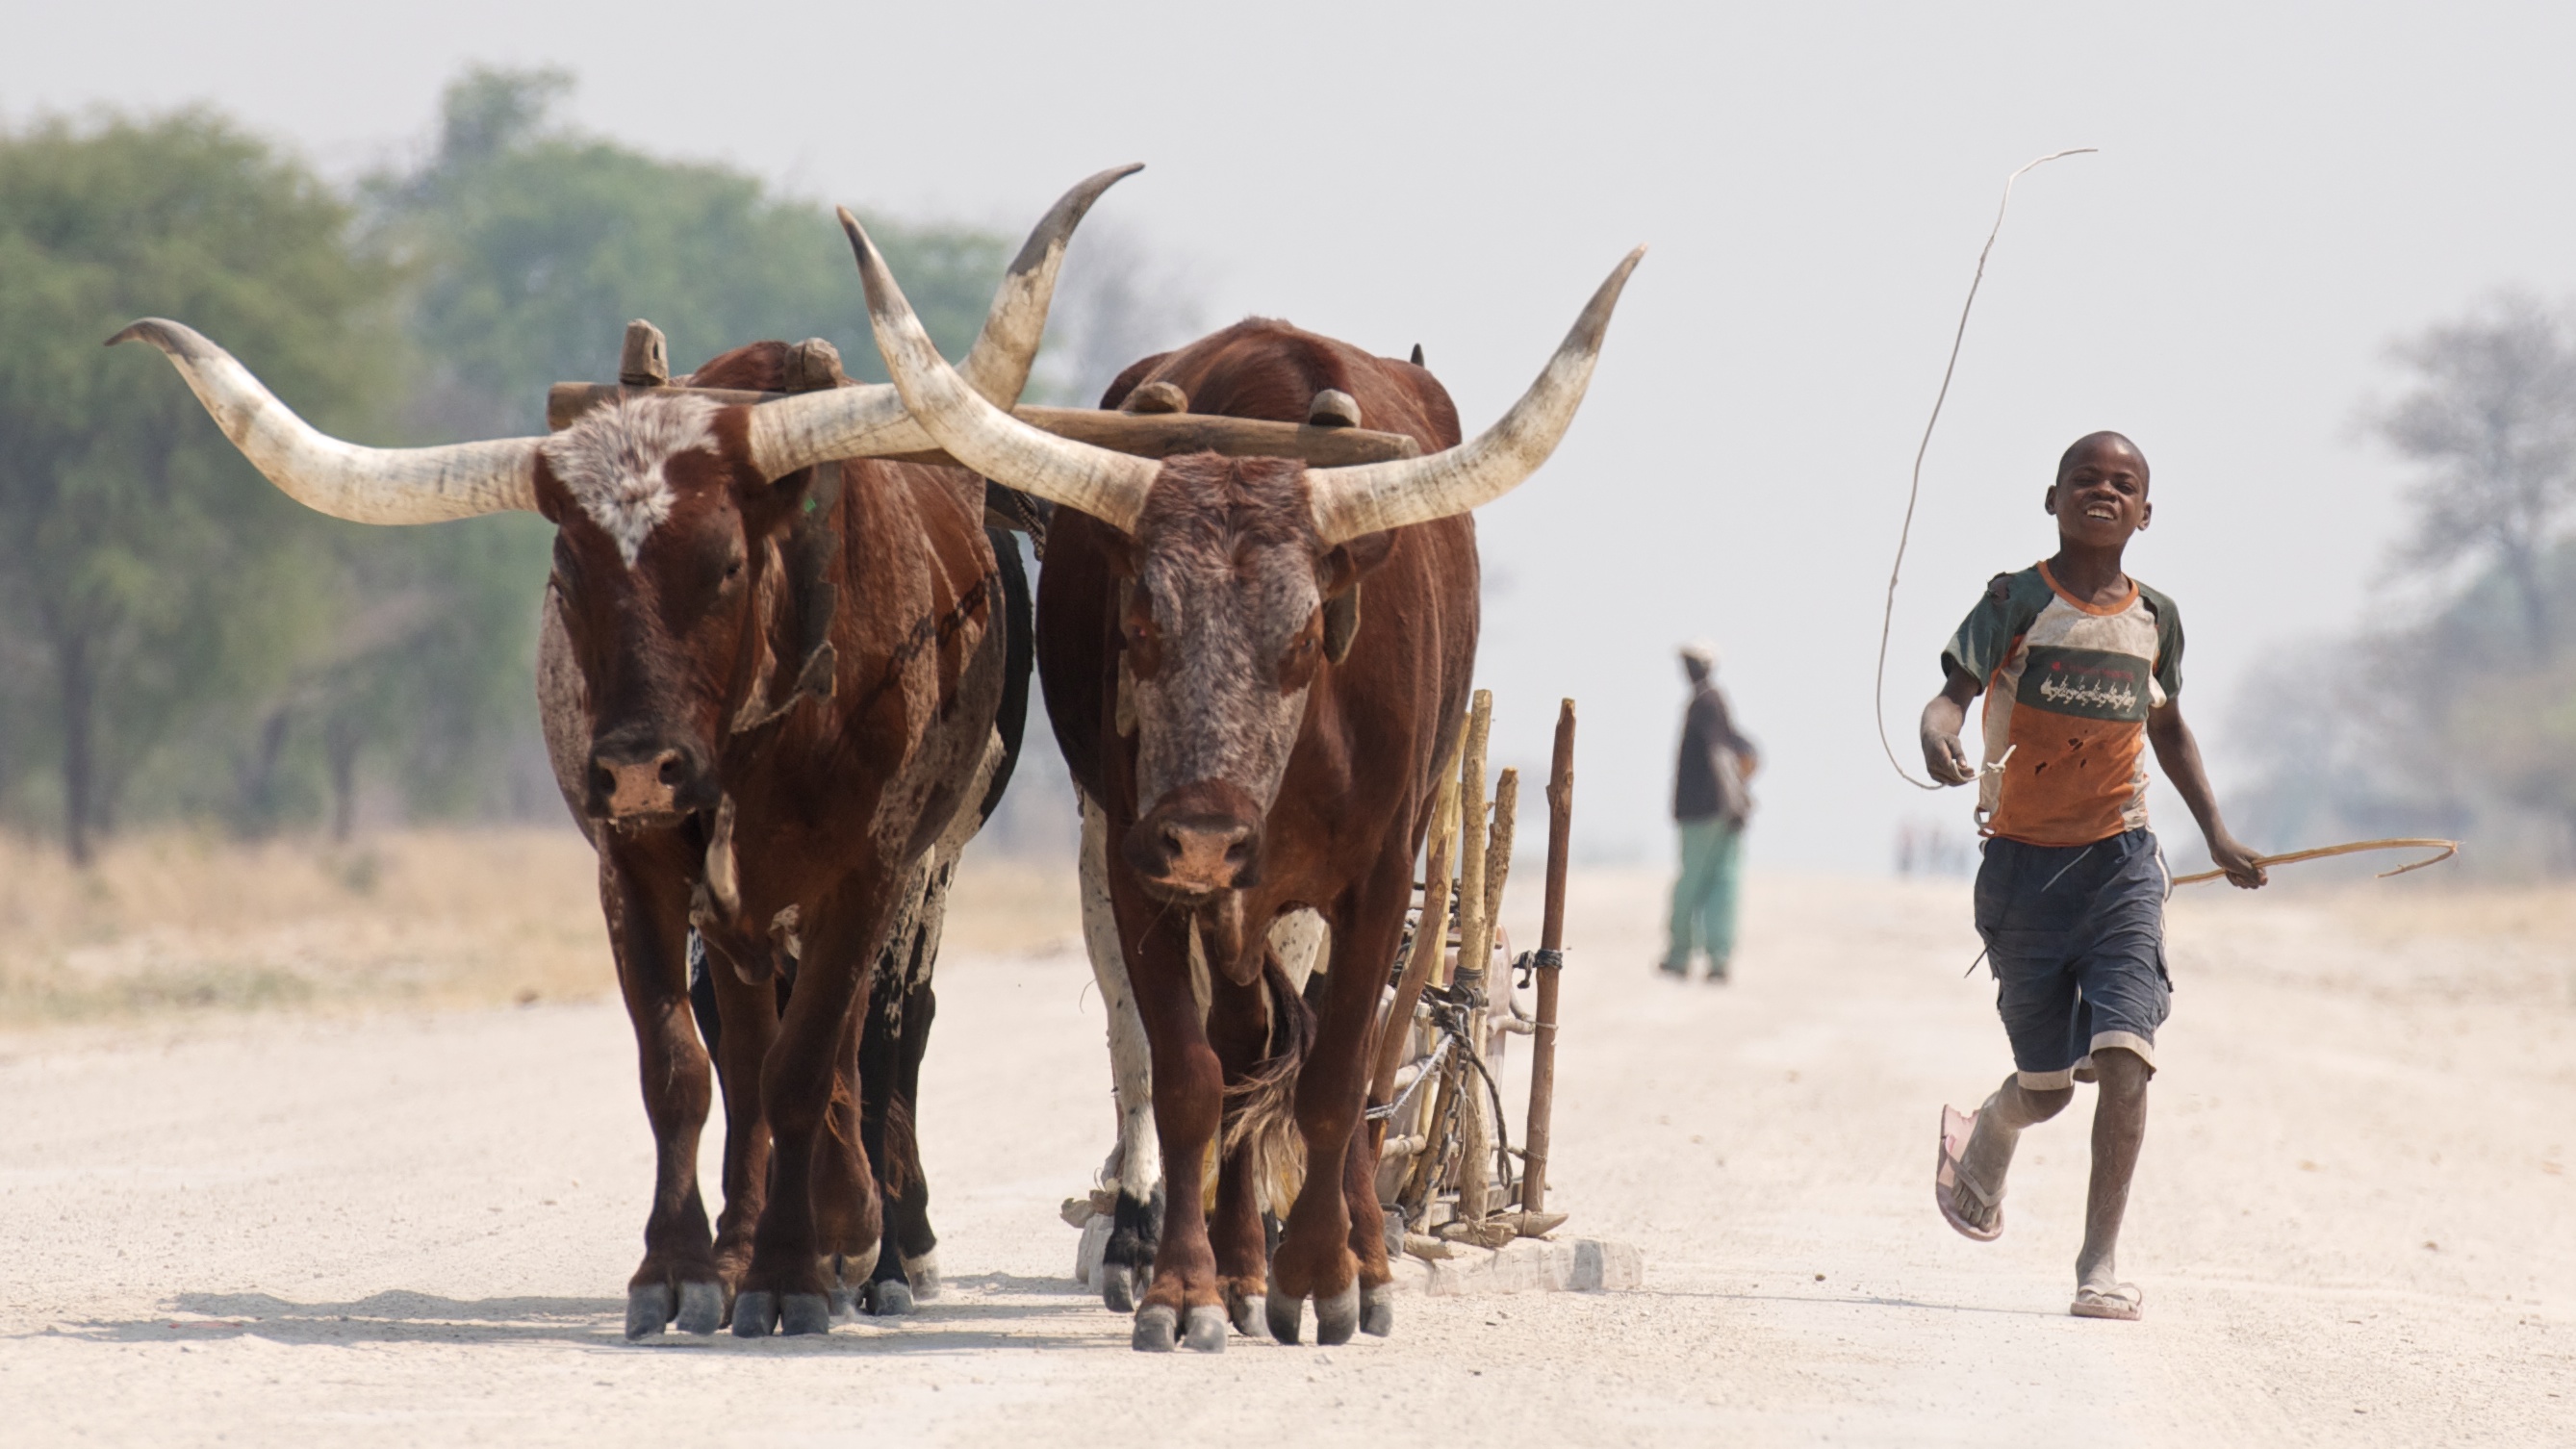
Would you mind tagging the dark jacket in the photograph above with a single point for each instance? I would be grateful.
(1709, 779)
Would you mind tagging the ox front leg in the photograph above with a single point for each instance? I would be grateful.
(748, 1012)
(1135, 1168)
(1257, 1088)
(821, 1193)
(849, 1211)
(1333, 1248)
(1184, 1303)
(643, 891)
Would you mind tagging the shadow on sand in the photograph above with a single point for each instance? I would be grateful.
(400, 1316)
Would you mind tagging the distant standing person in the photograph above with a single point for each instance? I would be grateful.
(1710, 804)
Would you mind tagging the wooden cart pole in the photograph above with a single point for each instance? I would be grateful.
(1430, 940)
(1549, 962)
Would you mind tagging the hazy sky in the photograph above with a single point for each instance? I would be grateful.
(2281, 191)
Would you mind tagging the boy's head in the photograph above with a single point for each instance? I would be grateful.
(2100, 496)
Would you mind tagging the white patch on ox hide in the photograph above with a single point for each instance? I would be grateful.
(612, 461)
(1136, 1163)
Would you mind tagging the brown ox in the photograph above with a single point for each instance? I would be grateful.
(771, 672)
(1252, 755)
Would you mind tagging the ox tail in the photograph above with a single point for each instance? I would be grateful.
(1261, 1105)
(1019, 660)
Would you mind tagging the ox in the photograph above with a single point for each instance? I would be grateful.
(771, 669)
(1257, 745)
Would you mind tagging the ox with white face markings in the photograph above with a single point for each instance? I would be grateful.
(699, 712)
(612, 461)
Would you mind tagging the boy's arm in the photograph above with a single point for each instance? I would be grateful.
(2179, 754)
(1943, 718)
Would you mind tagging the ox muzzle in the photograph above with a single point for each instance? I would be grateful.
(1198, 841)
(638, 774)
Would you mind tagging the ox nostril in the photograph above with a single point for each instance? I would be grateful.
(671, 770)
(1173, 845)
(603, 781)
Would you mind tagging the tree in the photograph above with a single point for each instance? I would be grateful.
(532, 245)
(2493, 420)
(153, 573)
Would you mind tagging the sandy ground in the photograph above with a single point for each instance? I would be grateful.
(2354, 1222)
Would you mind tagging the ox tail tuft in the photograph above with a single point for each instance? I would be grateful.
(1261, 1106)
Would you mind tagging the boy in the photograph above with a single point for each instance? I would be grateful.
(2083, 664)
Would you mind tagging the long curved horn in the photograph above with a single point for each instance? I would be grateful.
(861, 422)
(1350, 502)
(1109, 486)
(363, 485)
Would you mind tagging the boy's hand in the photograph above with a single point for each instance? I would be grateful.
(2230, 855)
(1943, 755)
(1946, 758)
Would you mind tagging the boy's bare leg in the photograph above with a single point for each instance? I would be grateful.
(2119, 1129)
(1990, 1148)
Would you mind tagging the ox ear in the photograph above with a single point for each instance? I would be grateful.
(1345, 564)
(1338, 578)
(1341, 624)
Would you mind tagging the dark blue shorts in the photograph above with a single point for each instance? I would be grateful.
(2076, 937)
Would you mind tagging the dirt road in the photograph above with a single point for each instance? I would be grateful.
(2354, 1223)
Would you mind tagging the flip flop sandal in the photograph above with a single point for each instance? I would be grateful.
(1948, 1180)
(2123, 1302)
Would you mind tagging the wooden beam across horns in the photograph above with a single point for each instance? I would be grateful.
(1146, 435)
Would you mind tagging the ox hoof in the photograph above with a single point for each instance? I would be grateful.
(1377, 1310)
(647, 1309)
(844, 1304)
(1337, 1317)
(1286, 1312)
(755, 1313)
(701, 1308)
(1118, 1287)
(1157, 1329)
(804, 1313)
(889, 1297)
(923, 1274)
(1246, 1310)
(1207, 1330)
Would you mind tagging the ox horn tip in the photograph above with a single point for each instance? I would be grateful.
(860, 244)
(879, 284)
(161, 332)
(1056, 229)
(1596, 314)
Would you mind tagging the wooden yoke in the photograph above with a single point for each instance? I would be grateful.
(1144, 435)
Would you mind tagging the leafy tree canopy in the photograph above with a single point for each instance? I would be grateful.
(533, 245)
(150, 574)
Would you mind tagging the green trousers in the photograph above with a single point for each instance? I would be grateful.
(1704, 897)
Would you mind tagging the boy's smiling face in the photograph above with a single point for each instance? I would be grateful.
(2100, 496)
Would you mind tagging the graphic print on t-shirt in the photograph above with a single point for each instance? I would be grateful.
(2094, 683)
(2068, 688)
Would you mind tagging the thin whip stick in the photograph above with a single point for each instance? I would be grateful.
(2448, 848)
(1914, 490)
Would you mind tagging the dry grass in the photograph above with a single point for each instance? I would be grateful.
(181, 923)
(174, 925)
(186, 922)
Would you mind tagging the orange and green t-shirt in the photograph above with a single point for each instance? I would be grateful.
(2068, 687)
